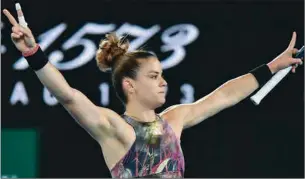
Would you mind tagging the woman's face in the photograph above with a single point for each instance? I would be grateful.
(149, 85)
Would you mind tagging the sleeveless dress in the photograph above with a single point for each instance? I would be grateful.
(156, 152)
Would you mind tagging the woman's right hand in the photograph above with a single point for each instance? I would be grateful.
(22, 37)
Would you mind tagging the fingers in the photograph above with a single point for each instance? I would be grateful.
(297, 61)
(294, 50)
(293, 70)
(293, 40)
(26, 31)
(22, 31)
(15, 36)
(17, 30)
(21, 19)
(10, 17)
(19, 10)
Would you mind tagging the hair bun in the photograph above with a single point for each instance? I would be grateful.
(111, 49)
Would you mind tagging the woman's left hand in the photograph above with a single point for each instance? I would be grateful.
(286, 59)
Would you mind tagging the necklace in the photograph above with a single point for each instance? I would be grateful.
(150, 132)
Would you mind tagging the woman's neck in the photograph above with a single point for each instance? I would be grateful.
(140, 113)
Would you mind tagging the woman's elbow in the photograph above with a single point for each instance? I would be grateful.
(68, 97)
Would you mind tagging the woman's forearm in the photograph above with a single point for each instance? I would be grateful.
(239, 88)
(54, 81)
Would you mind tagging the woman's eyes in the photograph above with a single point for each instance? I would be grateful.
(155, 76)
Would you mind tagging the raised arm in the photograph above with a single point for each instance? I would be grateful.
(96, 120)
(87, 114)
(230, 93)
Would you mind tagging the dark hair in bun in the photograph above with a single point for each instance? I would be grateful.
(111, 49)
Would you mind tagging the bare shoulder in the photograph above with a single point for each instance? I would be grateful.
(178, 112)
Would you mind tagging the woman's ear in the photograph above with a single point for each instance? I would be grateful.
(128, 85)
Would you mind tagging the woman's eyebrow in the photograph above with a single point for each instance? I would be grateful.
(153, 71)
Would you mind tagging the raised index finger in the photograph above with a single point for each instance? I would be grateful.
(293, 40)
(10, 17)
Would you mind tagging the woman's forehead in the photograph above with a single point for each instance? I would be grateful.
(150, 64)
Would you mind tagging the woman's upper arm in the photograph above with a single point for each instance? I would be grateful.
(187, 115)
(97, 121)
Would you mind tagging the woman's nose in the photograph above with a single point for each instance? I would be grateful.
(163, 82)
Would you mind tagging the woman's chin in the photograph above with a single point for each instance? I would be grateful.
(161, 101)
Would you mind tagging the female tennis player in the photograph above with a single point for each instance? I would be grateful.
(140, 143)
